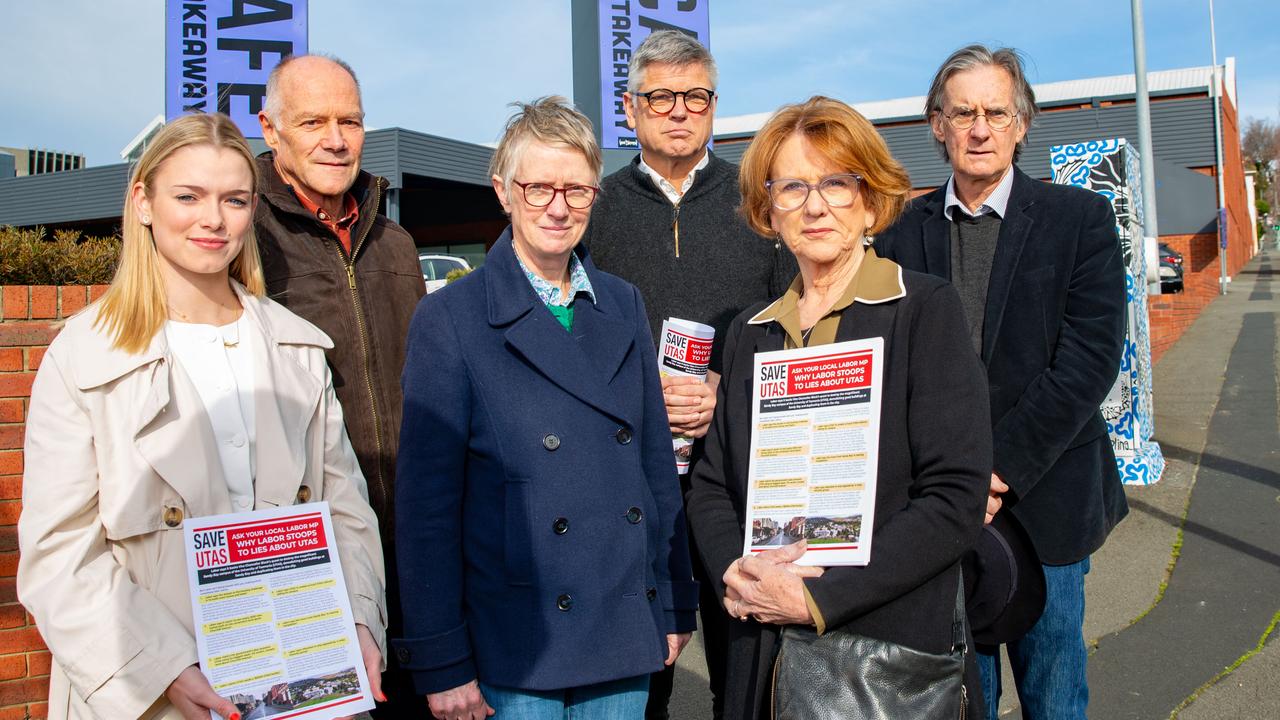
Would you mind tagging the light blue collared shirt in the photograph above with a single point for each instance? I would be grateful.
(549, 293)
(996, 203)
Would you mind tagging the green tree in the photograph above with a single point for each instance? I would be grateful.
(1260, 145)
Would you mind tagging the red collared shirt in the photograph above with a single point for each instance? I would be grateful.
(339, 226)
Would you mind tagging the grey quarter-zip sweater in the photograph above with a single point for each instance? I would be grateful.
(696, 260)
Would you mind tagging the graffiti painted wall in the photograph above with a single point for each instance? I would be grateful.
(1110, 168)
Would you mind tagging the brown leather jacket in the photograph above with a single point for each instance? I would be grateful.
(363, 302)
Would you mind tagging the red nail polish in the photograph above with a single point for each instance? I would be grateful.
(234, 716)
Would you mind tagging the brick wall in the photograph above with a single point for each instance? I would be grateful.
(1171, 315)
(29, 316)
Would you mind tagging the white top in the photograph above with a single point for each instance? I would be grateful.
(219, 361)
(674, 194)
(997, 202)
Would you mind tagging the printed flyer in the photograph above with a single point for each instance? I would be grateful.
(273, 621)
(685, 351)
(815, 442)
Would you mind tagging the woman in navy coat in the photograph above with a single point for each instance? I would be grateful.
(544, 562)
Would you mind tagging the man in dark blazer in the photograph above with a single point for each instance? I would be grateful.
(1040, 275)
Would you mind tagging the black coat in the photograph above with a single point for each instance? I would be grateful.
(1052, 340)
(933, 474)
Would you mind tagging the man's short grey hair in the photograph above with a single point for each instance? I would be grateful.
(669, 47)
(971, 58)
(550, 120)
(274, 104)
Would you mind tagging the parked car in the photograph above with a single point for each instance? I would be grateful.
(436, 267)
(1170, 270)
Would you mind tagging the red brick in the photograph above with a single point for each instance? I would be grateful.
(97, 291)
(35, 355)
(10, 489)
(12, 616)
(44, 301)
(8, 538)
(23, 691)
(8, 563)
(40, 710)
(11, 436)
(10, 359)
(20, 640)
(16, 384)
(38, 663)
(16, 712)
(8, 593)
(13, 666)
(26, 334)
(9, 512)
(74, 298)
(15, 302)
(11, 462)
(11, 411)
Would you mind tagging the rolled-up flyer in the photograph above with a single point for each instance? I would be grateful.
(685, 351)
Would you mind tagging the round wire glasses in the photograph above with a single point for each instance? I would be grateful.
(838, 191)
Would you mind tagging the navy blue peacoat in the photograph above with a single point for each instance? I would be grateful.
(541, 534)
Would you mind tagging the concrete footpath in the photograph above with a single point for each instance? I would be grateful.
(1189, 583)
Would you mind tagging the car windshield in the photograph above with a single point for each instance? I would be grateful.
(435, 268)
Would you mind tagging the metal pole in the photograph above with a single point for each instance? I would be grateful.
(1217, 146)
(1147, 158)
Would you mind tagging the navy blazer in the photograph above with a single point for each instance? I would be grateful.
(540, 528)
(1052, 338)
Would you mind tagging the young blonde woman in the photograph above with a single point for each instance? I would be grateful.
(181, 393)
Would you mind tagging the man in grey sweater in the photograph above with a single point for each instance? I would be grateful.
(668, 224)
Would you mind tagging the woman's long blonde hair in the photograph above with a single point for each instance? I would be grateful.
(135, 307)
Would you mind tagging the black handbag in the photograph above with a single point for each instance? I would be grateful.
(840, 675)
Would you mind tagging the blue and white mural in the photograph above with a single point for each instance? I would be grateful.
(1111, 168)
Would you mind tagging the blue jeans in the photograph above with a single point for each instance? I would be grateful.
(1049, 661)
(614, 700)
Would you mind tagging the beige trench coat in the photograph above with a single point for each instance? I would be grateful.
(118, 452)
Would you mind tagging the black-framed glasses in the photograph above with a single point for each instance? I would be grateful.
(578, 197)
(663, 101)
(996, 119)
(838, 190)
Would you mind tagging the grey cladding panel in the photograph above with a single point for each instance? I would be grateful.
(379, 156)
(438, 157)
(392, 152)
(89, 194)
(1182, 132)
(731, 152)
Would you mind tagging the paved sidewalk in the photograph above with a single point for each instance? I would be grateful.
(1216, 421)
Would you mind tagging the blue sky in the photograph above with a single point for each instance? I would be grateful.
(86, 75)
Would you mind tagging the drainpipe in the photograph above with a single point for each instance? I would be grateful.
(1217, 146)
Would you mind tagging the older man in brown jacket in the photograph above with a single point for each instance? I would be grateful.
(331, 258)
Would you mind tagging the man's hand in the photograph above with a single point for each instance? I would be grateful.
(193, 696)
(994, 502)
(461, 703)
(675, 644)
(690, 403)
